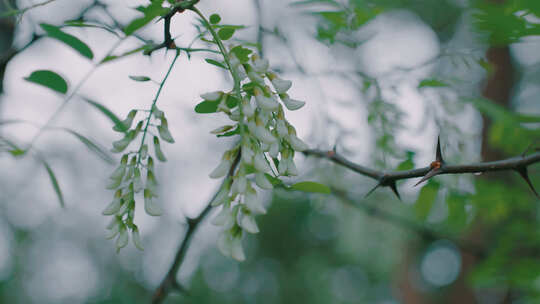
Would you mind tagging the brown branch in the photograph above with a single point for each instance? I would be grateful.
(169, 282)
(389, 178)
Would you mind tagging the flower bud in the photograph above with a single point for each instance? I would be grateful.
(212, 96)
(150, 206)
(137, 238)
(262, 181)
(159, 154)
(291, 104)
(248, 223)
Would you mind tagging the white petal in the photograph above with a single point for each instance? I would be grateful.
(261, 65)
(274, 149)
(253, 76)
(224, 243)
(262, 181)
(239, 184)
(220, 197)
(122, 239)
(237, 252)
(118, 172)
(113, 231)
(291, 168)
(293, 104)
(212, 96)
(281, 85)
(253, 203)
(113, 207)
(247, 108)
(222, 169)
(260, 163)
(247, 154)
(266, 102)
(282, 129)
(297, 144)
(151, 207)
(222, 217)
(137, 239)
(264, 135)
(248, 223)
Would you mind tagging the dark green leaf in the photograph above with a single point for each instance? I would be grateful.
(91, 146)
(140, 78)
(274, 180)
(226, 33)
(54, 182)
(433, 83)
(215, 19)
(117, 122)
(216, 63)
(74, 42)
(311, 187)
(230, 133)
(241, 53)
(48, 79)
(231, 101)
(150, 12)
(206, 107)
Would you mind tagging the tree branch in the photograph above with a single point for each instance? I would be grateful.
(389, 178)
(169, 282)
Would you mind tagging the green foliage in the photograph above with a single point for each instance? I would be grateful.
(118, 124)
(426, 199)
(56, 33)
(48, 79)
(311, 187)
(54, 182)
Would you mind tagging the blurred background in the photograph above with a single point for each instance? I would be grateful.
(381, 79)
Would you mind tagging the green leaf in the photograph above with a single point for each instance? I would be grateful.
(115, 57)
(140, 78)
(215, 19)
(216, 63)
(231, 101)
(48, 79)
(226, 33)
(74, 42)
(150, 12)
(407, 164)
(54, 182)
(311, 187)
(230, 133)
(433, 83)
(91, 146)
(117, 122)
(206, 107)
(241, 53)
(274, 180)
(426, 199)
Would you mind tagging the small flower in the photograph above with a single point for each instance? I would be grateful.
(137, 181)
(122, 239)
(260, 163)
(118, 172)
(260, 65)
(121, 144)
(224, 218)
(126, 122)
(274, 149)
(247, 108)
(239, 184)
(237, 252)
(144, 151)
(279, 84)
(235, 115)
(247, 222)
(291, 168)
(113, 231)
(281, 128)
(223, 168)
(114, 206)
(247, 154)
(150, 206)
(291, 104)
(262, 181)
(252, 75)
(265, 102)
(137, 238)
(297, 144)
(159, 154)
(253, 203)
(212, 96)
(164, 133)
(221, 197)
(151, 183)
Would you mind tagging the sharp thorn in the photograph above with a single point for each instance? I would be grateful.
(394, 189)
(438, 153)
(373, 189)
(523, 172)
(428, 175)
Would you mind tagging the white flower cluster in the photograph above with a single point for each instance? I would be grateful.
(265, 134)
(127, 179)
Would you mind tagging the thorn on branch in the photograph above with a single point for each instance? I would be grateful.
(436, 167)
(385, 182)
(523, 172)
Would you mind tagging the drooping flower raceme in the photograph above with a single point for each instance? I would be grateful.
(127, 178)
(264, 152)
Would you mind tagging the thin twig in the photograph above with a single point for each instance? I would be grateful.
(169, 282)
